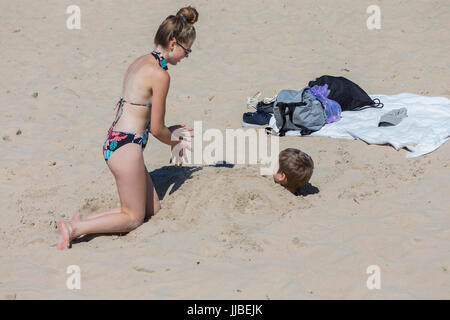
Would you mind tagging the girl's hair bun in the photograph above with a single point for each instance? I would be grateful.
(189, 14)
(180, 27)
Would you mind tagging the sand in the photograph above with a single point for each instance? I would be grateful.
(225, 231)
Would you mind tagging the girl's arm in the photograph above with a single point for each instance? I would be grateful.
(157, 127)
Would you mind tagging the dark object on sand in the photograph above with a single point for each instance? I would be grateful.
(347, 93)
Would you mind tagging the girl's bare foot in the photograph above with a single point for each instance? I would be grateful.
(66, 231)
(77, 217)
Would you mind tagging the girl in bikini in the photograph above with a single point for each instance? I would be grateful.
(140, 110)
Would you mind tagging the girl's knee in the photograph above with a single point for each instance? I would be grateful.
(135, 223)
(135, 218)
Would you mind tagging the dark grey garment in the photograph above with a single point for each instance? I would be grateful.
(265, 107)
(393, 117)
(298, 110)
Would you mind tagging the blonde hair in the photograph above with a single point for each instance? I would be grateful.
(297, 167)
(180, 27)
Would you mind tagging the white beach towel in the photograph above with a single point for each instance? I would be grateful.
(423, 131)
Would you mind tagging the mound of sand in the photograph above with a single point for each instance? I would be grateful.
(224, 232)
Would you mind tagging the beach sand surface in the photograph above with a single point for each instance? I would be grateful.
(224, 231)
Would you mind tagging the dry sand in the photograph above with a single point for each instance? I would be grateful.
(224, 232)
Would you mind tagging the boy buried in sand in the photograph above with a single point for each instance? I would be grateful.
(293, 169)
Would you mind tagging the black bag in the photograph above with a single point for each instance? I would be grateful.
(347, 93)
(265, 107)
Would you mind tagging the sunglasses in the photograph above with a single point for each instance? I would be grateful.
(186, 51)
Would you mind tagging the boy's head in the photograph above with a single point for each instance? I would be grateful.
(294, 169)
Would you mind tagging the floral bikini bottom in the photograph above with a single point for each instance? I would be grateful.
(116, 139)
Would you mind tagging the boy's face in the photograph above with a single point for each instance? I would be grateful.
(278, 177)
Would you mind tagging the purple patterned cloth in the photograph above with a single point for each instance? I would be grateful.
(332, 108)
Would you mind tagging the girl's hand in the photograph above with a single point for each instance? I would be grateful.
(179, 132)
(177, 157)
(184, 136)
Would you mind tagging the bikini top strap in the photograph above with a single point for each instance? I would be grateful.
(119, 108)
(122, 101)
(162, 62)
(138, 104)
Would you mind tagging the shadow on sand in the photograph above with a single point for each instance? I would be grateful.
(306, 190)
(170, 177)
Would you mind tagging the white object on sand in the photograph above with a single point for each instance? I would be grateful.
(423, 131)
(252, 102)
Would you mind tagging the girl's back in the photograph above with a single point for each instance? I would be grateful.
(137, 88)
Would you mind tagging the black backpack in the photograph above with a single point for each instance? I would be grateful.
(347, 93)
